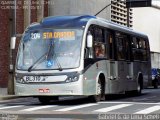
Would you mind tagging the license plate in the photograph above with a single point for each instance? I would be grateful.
(44, 90)
(34, 79)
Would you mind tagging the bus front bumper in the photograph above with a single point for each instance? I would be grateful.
(73, 88)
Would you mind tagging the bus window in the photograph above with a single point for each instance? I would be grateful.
(135, 50)
(140, 52)
(147, 49)
(143, 50)
(111, 47)
(110, 42)
(140, 44)
(128, 49)
(120, 39)
(144, 44)
(98, 34)
(134, 43)
(99, 42)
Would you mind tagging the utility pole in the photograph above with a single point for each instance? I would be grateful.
(108, 6)
(12, 51)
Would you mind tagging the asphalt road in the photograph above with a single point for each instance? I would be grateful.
(115, 107)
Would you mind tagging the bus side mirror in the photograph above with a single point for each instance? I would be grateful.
(89, 41)
(13, 43)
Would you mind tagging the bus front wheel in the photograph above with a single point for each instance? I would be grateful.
(100, 93)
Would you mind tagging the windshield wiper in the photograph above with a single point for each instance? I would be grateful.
(58, 63)
(51, 56)
(31, 67)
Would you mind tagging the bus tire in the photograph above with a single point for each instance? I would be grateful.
(140, 85)
(47, 99)
(139, 89)
(100, 92)
(155, 83)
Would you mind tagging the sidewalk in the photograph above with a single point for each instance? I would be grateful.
(4, 94)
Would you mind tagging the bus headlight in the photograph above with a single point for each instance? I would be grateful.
(72, 79)
(20, 80)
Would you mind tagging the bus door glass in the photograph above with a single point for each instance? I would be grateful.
(121, 60)
(112, 67)
(129, 65)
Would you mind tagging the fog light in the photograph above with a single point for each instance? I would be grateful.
(69, 79)
(75, 79)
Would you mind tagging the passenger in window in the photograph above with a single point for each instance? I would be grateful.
(99, 52)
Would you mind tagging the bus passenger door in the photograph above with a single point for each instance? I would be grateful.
(112, 64)
(129, 76)
(123, 65)
(113, 80)
(129, 65)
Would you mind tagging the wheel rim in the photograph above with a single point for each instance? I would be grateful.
(99, 89)
(138, 88)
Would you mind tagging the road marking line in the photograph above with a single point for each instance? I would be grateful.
(158, 103)
(2, 108)
(116, 102)
(107, 109)
(148, 110)
(75, 107)
(138, 99)
(37, 108)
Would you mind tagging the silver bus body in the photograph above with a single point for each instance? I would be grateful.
(119, 76)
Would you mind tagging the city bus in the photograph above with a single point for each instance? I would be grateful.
(81, 56)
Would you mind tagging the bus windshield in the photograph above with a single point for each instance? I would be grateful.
(50, 49)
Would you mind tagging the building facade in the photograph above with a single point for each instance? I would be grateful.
(4, 46)
(27, 11)
(146, 20)
(116, 11)
(120, 14)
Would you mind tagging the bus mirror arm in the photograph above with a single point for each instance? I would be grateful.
(86, 53)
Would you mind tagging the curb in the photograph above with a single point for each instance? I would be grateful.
(8, 97)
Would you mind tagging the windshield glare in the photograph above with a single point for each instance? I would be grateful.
(56, 46)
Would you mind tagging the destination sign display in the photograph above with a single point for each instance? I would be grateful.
(50, 35)
(62, 35)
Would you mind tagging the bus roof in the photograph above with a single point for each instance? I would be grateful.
(63, 21)
(78, 21)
